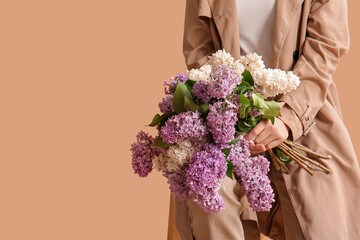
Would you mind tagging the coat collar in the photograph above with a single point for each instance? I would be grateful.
(224, 13)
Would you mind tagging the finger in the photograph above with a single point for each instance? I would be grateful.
(270, 139)
(257, 152)
(273, 144)
(257, 148)
(264, 135)
(256, 130)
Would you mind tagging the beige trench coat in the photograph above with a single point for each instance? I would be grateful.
(310, 37)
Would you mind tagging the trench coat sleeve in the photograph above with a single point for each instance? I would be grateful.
(327, 39)
(197, 49)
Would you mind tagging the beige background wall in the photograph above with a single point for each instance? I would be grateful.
(79, 79)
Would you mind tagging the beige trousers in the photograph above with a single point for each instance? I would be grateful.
(230, 223)
(237, 221)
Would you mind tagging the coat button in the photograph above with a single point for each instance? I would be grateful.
(296, 55)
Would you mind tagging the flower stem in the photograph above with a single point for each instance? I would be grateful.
(312, 161)
(306, 149)
(283, 147)
(273, 158)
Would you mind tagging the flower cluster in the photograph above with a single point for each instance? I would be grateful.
(200, 74)
(188, 125)
(252, 62)
(221, 58)
(200, 90)
(269, 82)
(207, 168)
(166, 104)
(143, 153)
(222, 82)
(252, 175)
(170, 85)
(275, 81)
(203, 116)
(221, 121)
(178, 186)
(180, 154)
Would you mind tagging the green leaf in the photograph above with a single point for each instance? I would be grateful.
(158, 119)
(160, 143)
(245, 103)
(247, 77)
(190, 84)
(190, 105)
(247, 111)
(204, 108)
(180, 93)
(282, 156)
(272, 119)
(164, 118)
(243, 126)
(226, 151)
(268, 108)
(155, 121)
(238, 88)
(229, 171)
(250, 88)
(273, 109)
(233, 142)
(252, 121)
(258, 101)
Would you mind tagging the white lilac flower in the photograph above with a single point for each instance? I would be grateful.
(238, 68)
(179, 154)
(221, 58)
(200, 74)
(159, 162)
(252, 62)
(275, 81)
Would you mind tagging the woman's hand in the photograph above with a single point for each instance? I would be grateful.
(266, 135)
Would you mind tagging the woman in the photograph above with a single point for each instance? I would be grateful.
(309, 38)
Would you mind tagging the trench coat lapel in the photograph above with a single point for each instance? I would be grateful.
(226, 21)
(224, 13)
(285, 11)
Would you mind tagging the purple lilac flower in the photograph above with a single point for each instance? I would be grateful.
(177, 182)
(254, 112)
(143, 153)
(208, 166)
(166, 105)
(222, 82)
(259, 90)
(248, 94)
(251, 172)
(170, 85)
(213, 204)
(235, 100)
(200, 91)
(188, 125)
(221, 121)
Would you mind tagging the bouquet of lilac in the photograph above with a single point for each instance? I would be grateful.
(204, 116)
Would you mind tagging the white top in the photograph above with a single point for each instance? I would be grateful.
(256, 24)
